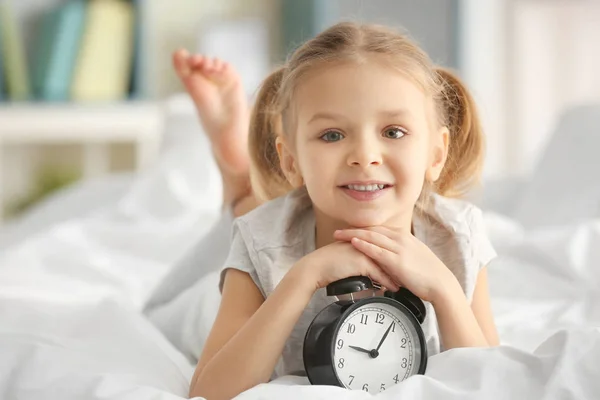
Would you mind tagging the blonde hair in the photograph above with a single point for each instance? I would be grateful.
(347, 42)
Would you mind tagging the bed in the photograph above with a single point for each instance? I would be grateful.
(76, 272)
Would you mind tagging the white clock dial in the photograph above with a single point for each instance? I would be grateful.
(376, 347)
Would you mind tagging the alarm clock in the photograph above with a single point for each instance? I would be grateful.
(363, 341)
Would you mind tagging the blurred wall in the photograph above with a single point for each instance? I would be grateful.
(556, 65)
(526, 62)
(178, 23)
(485, 32)
(433, 24)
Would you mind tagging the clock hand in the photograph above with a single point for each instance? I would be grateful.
(360, 349)
(384, 336)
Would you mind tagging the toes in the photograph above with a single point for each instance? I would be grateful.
(214, 66)
(185, 63)
(197, 61)
(218, 65)
(180, 54)
(180, 62)
(209, 65)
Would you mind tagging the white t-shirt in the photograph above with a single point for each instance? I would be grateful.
(269, 240)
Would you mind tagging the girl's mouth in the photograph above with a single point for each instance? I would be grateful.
(365, 192)
(367, 188)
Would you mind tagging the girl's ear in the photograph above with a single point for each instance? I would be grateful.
(438, 155)
(288, 163)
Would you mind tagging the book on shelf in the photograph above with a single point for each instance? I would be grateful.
(13, 55)
(137, 77)
(57, 50)
(103, 68)
(2, 95)
(79, 50)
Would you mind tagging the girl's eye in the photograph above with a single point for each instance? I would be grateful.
(394, 133)
(332, 136)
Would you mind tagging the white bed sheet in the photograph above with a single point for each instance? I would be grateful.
(70, 332)
(72, 291)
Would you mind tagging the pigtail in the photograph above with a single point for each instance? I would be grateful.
(466, 148)
(267, 178)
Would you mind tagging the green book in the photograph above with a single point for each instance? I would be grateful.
(1, 68)
(43, 53)
(58, 47)
(15, 63)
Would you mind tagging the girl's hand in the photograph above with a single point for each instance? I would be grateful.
(340, 260)
(407, 260)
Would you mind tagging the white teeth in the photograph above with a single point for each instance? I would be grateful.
(366, 188)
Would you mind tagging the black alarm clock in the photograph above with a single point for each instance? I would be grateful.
(365, 343)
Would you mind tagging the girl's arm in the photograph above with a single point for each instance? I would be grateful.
(482, 308)
(462, 325)
(249, 334)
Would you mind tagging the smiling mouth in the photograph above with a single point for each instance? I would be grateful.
(367, 188)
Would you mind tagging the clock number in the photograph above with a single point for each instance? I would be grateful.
(341, 363)
(351, 328)
(396, 379)
(404, 363)
(394, 328)
(379, 318)
(403, 343)
(366, 387)
(340, 344)
(382, 387)
(351, 380)
(363, 319)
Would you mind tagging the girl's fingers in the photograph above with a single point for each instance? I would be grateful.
(378, 275)
(376, 238)
(385, 258)
(392, 234)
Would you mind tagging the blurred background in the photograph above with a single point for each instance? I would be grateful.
(87, 87)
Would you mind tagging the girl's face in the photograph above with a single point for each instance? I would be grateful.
(365, 141)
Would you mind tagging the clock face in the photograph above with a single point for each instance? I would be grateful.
(376, 347)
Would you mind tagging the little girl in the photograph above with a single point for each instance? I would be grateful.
(360, 148)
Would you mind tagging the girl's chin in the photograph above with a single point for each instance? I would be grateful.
(365, 221)
(371, 218)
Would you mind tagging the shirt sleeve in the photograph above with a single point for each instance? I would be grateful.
(240, 257)
(482, 247)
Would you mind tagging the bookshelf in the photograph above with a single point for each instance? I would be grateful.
(31, 124)
(162, 26)
(94, 126)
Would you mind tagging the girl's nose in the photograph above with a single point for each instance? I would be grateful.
(365, 153)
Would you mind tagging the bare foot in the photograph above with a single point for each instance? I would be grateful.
(219, 97)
